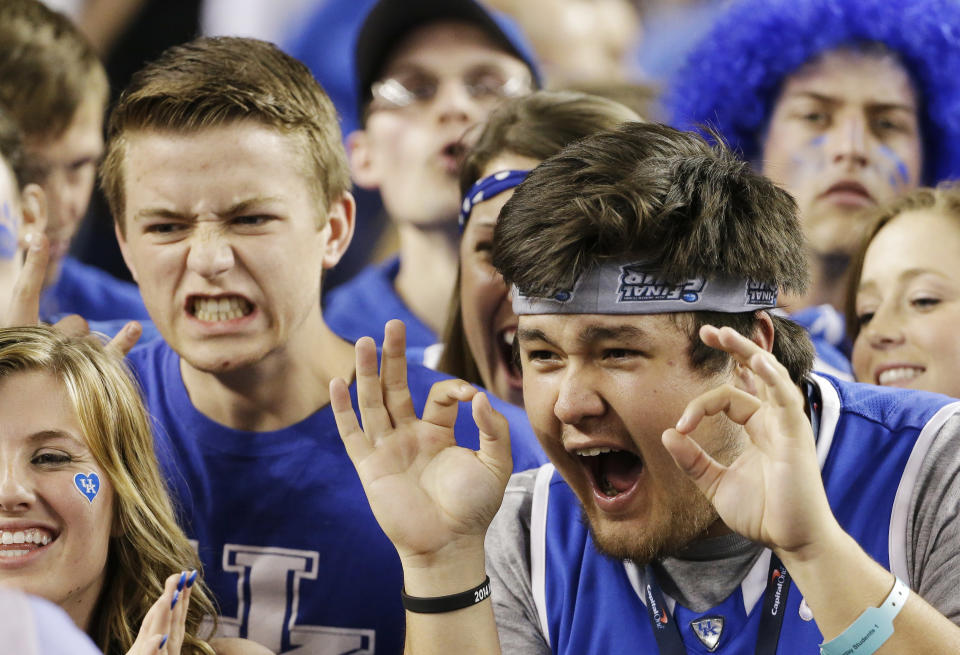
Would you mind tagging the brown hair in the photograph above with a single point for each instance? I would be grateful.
(945, 198)
(150, 545)
(47, 68)
(648, 191)
(211, 82)
(536, 126)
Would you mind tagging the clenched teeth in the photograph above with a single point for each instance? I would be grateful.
(898, 374)
(212, 310)
(37, 536)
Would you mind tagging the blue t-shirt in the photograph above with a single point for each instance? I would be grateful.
(362, 306)
(93, 294)
(288, 542)
(871, 443)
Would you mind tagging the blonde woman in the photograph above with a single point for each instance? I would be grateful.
(85, 520)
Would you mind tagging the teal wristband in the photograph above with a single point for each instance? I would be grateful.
(872, 629)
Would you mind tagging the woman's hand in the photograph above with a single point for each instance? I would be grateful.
(164, 625)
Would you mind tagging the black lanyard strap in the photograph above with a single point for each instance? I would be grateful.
(667, 632)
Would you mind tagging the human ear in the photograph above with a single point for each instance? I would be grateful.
(360, 156)
(340, 225)
(33, 205)
(763, 331)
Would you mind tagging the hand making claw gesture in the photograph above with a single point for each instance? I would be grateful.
(431, 497)
(24, 308)
(772, 492)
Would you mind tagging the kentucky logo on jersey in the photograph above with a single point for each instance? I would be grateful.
(638, 286)
(763, 294)
(708, 631)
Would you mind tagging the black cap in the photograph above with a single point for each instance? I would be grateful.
(389, 21)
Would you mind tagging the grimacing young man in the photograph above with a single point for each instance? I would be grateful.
(705, 492)
(228, 183)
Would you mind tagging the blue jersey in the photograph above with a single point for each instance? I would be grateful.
(289, 545)
(871, 443)
(362, 306)
(92, 293)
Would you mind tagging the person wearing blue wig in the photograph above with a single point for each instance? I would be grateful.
(844, 104)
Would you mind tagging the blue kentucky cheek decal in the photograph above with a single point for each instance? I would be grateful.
(88, 485)
(8, 233)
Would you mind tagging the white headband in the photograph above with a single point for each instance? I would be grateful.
(637, 288)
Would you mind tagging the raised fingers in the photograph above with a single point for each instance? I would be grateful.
(494, 435)
(373, 413)
(693, 460)
(393, 373)
(354, 440)
(25, 301)
(124, 341)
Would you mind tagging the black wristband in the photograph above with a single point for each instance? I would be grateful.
(439, 604)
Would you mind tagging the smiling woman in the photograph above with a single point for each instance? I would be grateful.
(903, 303)
(85, 520)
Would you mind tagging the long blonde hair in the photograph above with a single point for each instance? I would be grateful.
(149, 545)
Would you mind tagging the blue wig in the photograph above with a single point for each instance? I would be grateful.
(732, 78)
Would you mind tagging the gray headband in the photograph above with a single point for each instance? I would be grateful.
(637, 288)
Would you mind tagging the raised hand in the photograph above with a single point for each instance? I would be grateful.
(430, 496)
(24, 306)
(164, 625)
(772, 492)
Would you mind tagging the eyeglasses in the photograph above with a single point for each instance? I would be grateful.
(419, 88)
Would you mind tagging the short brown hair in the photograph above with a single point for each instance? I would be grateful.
(47, 68)
(648, 191)
(537, 125)
(944, 198)
(211, 82)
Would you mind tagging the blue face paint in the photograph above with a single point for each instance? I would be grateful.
(8, 233)
(88, 485)
(898, 164)
(818, 141)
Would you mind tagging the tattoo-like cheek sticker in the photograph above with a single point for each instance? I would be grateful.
(8, 233)
(899, 176)
(88, 485)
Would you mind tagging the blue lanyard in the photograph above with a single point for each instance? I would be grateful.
(667, 633)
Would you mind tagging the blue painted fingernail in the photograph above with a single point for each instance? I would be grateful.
(192, 579)
(182, 581)
(176, 597)
(163, 642)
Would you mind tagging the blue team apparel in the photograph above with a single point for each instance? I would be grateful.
(825, 323)
(871, 443)
(289, 545)
(93, 294)
(362, 306)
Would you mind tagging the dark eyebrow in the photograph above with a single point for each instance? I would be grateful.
(595, 333)
(874, 106)
(532, 334)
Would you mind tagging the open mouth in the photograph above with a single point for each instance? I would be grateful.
(452, 155)
(613, 472)
(504, 344)
(899, 375)
(220, 308)
(17, 543)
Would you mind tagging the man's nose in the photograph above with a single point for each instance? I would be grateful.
(454, 103)
(848, 140)
(211, 252)
(577, 397)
